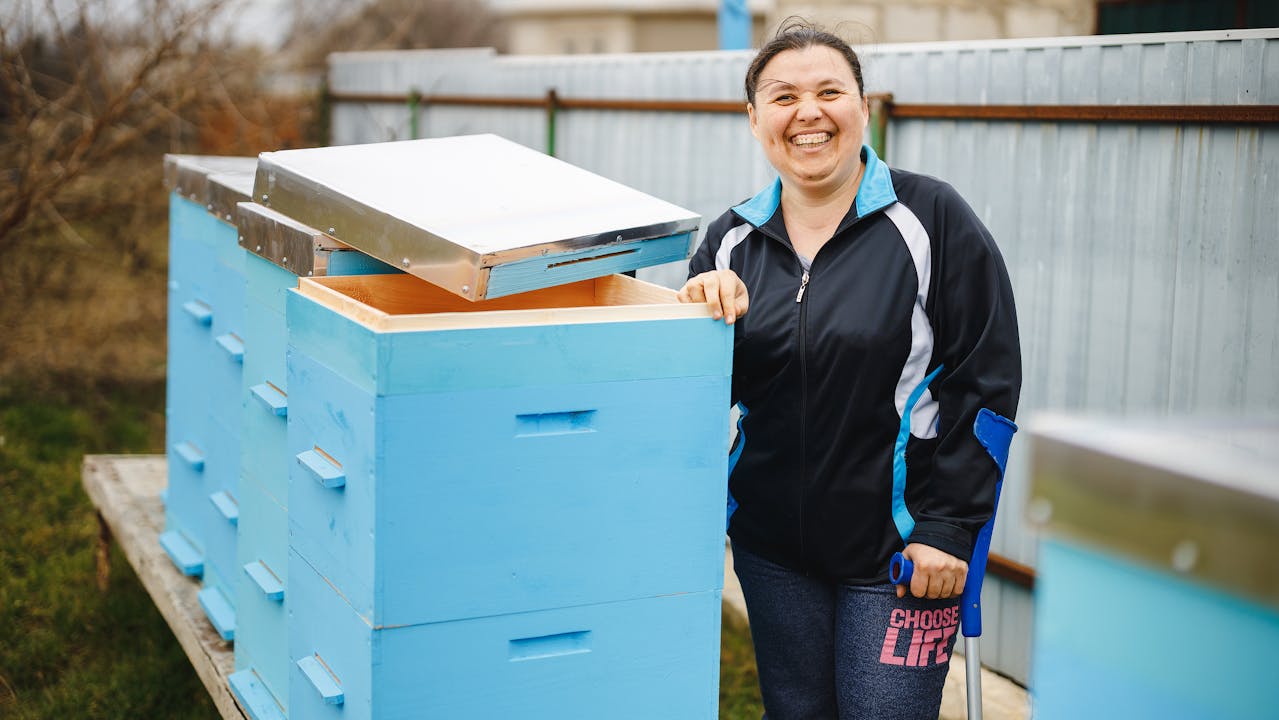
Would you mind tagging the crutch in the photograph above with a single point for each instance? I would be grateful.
(995, 433)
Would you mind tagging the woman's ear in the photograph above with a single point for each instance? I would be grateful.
(750, 114)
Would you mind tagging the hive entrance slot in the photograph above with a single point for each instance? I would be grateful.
(593, 258)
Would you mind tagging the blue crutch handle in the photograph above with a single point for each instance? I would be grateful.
(900, 570)
(995, 433)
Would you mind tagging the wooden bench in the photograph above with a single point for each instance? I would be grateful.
(126, 491)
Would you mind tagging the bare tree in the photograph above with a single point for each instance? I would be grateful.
(391, 25)
(77, 89)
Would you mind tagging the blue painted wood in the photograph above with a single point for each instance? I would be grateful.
(545, 271)
(661, 655)
(225, 383)
(218, 611)
(321, 470)
(350, 262)
(395, 363)
(321, 680)
(191, 455)
(217, 534)
(266, 580)
(186, 498)
(254, 697)
(263, 532)
(1117, 639)
(232, 345)
(263, 537)
(477, 516)
(186, 558)
(266, 284)
(226, 505)
(271, 398)
(199, 312)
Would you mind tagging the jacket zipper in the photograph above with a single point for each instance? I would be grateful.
(803, 418)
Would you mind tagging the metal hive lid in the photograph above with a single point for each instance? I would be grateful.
(211, 180)
(478, 215)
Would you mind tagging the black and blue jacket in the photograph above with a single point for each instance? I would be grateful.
(859, 381)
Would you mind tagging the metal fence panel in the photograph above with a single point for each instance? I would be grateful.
(1144, 257)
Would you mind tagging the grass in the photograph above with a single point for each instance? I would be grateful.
(70, 651)
(66, 649)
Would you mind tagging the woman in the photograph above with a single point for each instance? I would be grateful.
(880, 324)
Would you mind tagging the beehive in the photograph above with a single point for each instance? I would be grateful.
(206, 355)
(277, 250)
(516, 481)
(512, 506)
(1158, 591)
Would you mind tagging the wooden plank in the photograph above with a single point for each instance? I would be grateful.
(126, 491)
(408, 304)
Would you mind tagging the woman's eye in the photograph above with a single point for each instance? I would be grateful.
(831, 92)
(784, 98)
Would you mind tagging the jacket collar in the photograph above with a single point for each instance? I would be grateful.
(874, 194)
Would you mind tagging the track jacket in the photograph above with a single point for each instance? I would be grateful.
(860, 380)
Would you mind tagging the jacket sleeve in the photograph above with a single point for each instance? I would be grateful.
(976, 343)
(704, 259)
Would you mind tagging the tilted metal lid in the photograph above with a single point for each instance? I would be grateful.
(477, 215)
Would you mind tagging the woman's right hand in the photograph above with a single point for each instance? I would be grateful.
(722, 290)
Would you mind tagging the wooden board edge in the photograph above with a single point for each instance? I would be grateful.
(346, 306)
(550, 316)
(136, 531)
(623, 289)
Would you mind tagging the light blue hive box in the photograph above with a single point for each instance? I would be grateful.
(278, 250)
(506, 492)
(205, 374)
(1158, 589)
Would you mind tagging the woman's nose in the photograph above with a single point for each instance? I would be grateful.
(808, 109)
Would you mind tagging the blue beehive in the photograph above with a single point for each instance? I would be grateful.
(1158, 592)
(521, 496)
(512, 506)
(206, 354)
(277, 251)
(497, 506)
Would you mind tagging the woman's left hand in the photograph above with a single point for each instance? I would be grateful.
(937, 574)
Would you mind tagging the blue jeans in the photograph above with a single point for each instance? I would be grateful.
(826, 650)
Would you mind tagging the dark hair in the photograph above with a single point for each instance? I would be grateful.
(796, 33)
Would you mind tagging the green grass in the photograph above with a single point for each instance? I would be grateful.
(68, 650)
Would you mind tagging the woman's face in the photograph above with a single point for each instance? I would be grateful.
(810, 117)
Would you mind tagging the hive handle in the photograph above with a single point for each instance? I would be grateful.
(322, 468)
(191, 455)
(272, 398)
(199, 311)
(266, 580)
(322, 679)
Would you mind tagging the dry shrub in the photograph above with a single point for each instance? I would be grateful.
(88, 108)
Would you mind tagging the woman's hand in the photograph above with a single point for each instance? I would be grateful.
(722, 290)
(937, 574)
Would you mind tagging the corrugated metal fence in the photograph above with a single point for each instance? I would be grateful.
(1132, 183)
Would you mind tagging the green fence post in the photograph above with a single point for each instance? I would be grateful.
(415, 98)
(552, 110)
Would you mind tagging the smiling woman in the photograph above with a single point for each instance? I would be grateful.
(879, 348)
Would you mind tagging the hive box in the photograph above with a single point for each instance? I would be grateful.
(508, 507)
(277, 250)
(1158, 592)
(206, 355)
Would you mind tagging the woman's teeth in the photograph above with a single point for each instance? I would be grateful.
(811, 138)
